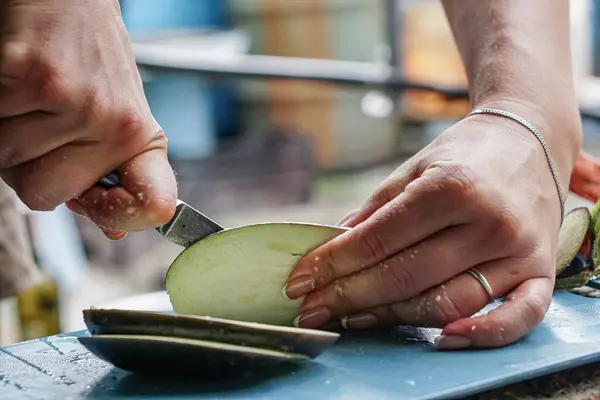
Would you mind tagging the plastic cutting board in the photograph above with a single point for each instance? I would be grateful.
(399, 364)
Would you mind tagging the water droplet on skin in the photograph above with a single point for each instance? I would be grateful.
(401, 259)
(104, 195)
(316, 269)
(438, 298)
(130, 210)
(139, 195)
(385, 266)
(412, 256)
(338, 289)
(110, 207)
(473, 327)
(317, 258)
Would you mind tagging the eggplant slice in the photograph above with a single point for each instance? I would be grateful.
(240, 273)
(574, 263)
(175, 356)
(308, 342)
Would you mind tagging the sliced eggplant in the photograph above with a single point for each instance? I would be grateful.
(240, 273)
(575, 240)
(307, 342)
(175, 356)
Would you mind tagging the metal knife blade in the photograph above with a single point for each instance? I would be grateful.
(187, 226)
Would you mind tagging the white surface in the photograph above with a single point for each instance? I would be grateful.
(155, 301)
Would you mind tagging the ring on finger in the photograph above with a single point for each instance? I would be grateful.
(484, 282)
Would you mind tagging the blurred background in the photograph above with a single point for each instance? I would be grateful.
(275, 110)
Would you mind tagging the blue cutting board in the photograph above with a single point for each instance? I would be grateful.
(396, 364)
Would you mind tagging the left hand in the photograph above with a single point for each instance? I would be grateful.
(481, 195)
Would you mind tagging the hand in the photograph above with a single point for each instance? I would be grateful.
(482, 196)
(72, 109)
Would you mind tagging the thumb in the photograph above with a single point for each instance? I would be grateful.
(146, 198)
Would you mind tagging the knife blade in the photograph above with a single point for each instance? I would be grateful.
(187, 226)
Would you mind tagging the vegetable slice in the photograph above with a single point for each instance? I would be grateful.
(308, 342)
(240, 273)
(176, 356)
(574, 258)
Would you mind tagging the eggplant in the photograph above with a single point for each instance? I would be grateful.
(161, 355)
(574, 263)
(240, 273)
(307, 342)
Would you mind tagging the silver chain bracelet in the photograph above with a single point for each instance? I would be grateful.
(540, 138)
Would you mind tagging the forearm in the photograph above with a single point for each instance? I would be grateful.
(517, 55)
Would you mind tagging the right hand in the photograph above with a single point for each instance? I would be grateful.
(72, 109)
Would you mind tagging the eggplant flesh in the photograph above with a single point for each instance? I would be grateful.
(240, 273)
(575, 246)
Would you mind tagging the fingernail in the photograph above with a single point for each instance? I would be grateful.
(114, 235)
(313, 319)
(299, 286)
(360, 321)
(451, 342)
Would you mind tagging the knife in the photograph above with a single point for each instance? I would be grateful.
(187, 226)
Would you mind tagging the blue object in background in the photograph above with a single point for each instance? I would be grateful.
(193, 112)
(148, 16)
(595, 15)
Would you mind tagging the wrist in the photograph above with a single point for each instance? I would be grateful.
(556, 120)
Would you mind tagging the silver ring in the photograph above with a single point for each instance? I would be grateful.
(484, 282)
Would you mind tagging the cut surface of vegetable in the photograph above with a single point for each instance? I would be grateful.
(240, 273)
(574, 243)
(308, 342)
(167, 355)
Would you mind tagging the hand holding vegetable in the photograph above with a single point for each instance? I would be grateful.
(72, 109)
(480, 196)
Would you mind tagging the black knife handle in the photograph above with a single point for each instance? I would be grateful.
(110, 181)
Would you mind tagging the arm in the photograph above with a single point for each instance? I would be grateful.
(72, 109)
(517, 58)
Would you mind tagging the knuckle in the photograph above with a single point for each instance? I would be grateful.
(10, 157)
(53, 86)
(446, 310)
(401, 281)
(326, 270)
(460, 181)
(343, 298)
(534, 310)
(17, 59)
(371, 247)
(131, 127)
(508, 230)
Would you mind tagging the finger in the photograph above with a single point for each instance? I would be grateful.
(76, 207)
(15, 57)
(405, 274)
(146, 198)
(346, 219)
(388, 190)
(429, 204)
(457, 298)
(522, 312)
(26, 137)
